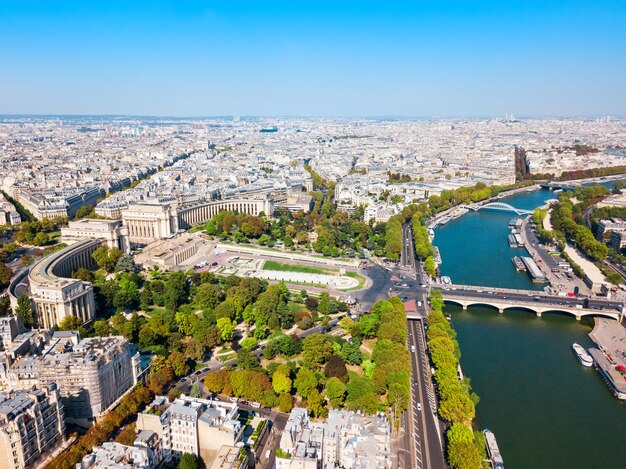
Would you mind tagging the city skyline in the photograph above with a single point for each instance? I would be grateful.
(313, 59)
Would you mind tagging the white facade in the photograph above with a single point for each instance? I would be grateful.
(112, 232)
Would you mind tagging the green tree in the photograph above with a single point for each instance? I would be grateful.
(335, 391)
(41, 239)
(188, 461)
(106, 258)
(315, 403)
(456, 405)
(175, 291)
(305, 382)
(125, 263)
(614, 278)
(429, 266)
(102, 328)
(463, 455)
(195, 390)
(281, 382)
(316, 350)
(246, 360)
(145, 298)
(226, 328)
(179, 364)
(84, 274)
(70, 323)
(285, 402)
(209, 296)
(5, 275)
(24, 311)
(249, 343)
(217, 381)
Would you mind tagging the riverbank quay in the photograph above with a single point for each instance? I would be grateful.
(610, 356)
(558, 279)
(457, 211)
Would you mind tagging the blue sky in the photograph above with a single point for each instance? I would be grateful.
(322, 58)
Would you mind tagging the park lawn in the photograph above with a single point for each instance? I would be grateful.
(54, 234)
(355, 276)
(156, 311)
(296, 307)
(195, 229)
(367, 347)
(306, 269)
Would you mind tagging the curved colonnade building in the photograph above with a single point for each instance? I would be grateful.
(54, 294)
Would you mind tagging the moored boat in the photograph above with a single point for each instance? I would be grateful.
(519, 265)
(583, 357)
(495, 458)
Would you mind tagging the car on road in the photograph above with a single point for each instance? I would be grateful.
(255, 405)
(419, 406)
(233, 399)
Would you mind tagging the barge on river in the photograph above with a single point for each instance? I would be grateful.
(495, 458)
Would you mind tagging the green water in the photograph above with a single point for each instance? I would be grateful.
(546, 409)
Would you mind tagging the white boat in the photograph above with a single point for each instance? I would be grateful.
(495, 458)
(583, 357)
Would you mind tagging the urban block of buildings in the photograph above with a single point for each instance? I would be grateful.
(345, 439)
(91, 374)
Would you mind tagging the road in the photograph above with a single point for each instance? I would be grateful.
(422, 439)
(379, 290)
(423, 430)
(407, 255)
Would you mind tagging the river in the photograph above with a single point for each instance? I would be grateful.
(546, 410)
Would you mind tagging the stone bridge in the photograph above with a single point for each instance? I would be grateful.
(536, 302)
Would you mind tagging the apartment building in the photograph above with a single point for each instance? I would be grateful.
(191, 425)
(31, 426)
(91, 376)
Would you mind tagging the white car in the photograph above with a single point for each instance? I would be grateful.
(256, 405)
(419, 406)
(233, 399)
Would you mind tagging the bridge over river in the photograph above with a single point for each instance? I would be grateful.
(501, 206)
(535, 301)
